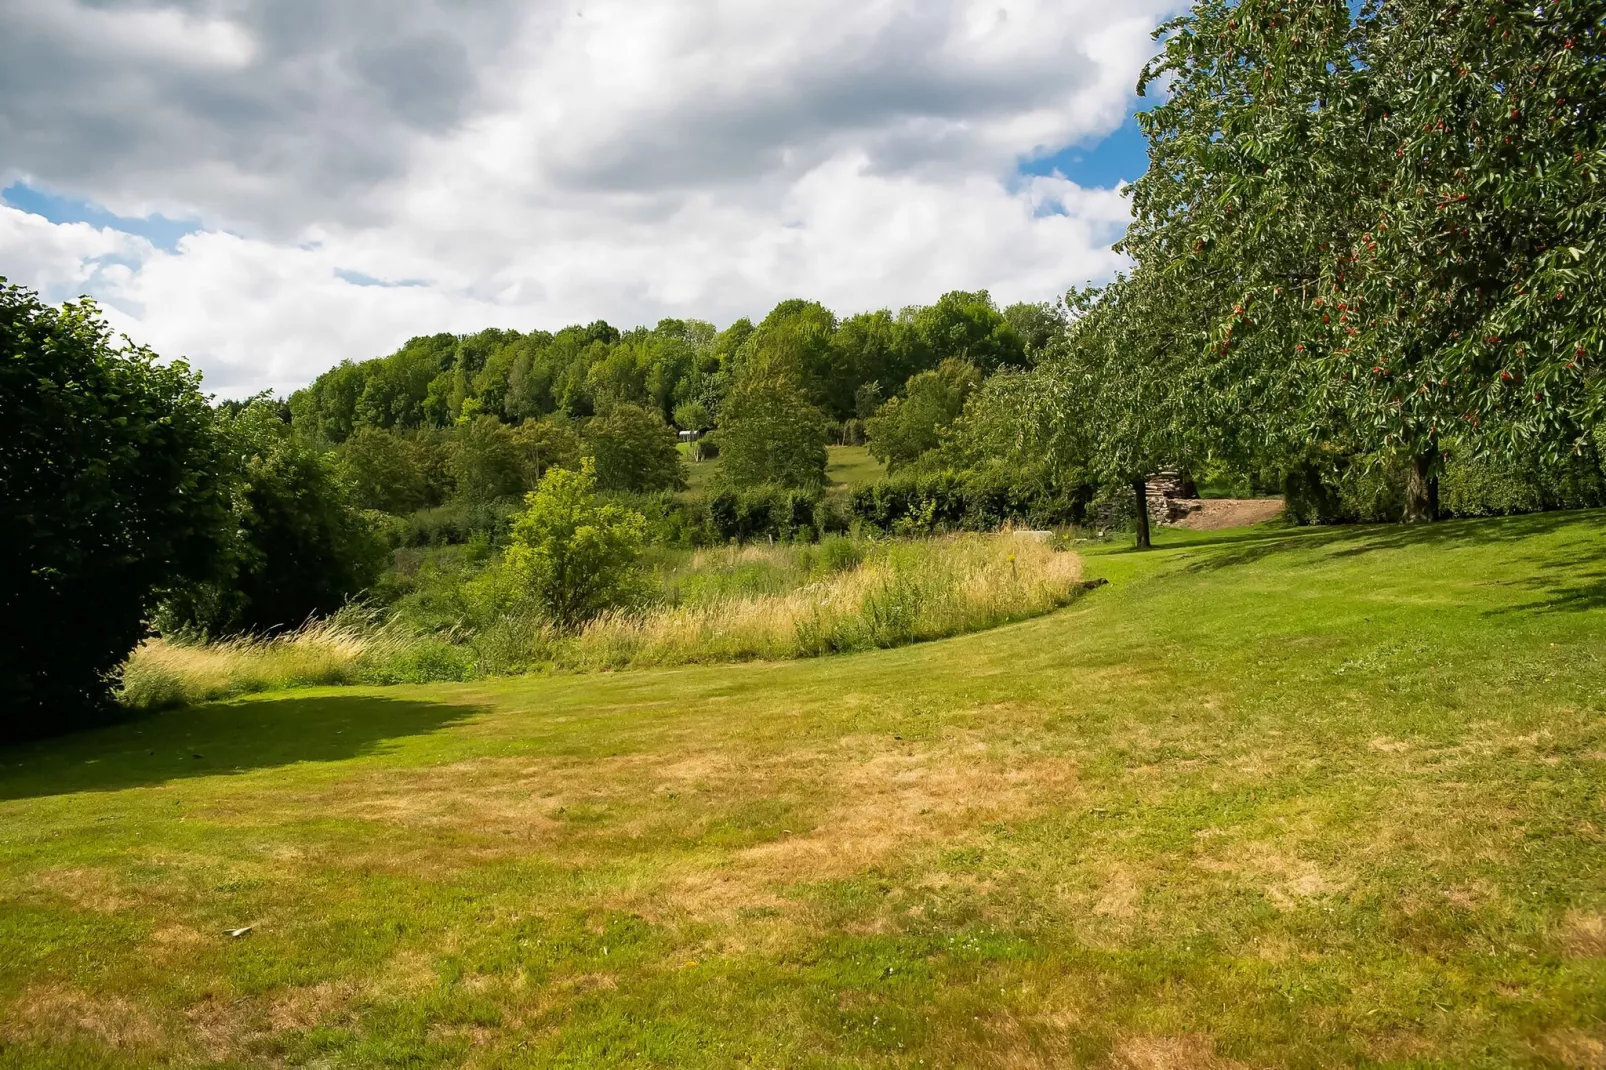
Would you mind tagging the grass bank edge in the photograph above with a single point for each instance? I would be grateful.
(901, 592)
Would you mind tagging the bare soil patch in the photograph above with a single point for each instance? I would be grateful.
(1214, 514)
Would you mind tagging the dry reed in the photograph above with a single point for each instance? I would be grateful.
(901, 592)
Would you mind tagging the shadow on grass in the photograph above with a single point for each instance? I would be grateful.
(1570, 584)
(1359, 540)
(216, 739)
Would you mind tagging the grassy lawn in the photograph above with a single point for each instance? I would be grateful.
(1272, 797)
(845, 466)
(852, 466)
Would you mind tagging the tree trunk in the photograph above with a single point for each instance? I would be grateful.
(1186, 487)
(1422, 490)
(1140, 487)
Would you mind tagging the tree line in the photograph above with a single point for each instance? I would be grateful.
(1367, 248)
(683, 370)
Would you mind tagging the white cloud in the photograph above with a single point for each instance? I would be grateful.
(62, 260)
(624, 159)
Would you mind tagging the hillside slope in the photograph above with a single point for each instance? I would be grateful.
(1318, 797)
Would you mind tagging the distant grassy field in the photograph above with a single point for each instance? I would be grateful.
(846, 466)
(852, 466)
(1315, 798)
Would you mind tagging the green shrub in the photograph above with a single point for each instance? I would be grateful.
(454, 524)
(670, 520)
(1335, 488)
(768, 512)
(1361, 489)
(1372, 490)
(577, 555)
(1309, 498)
(1504, 486)
(113, 492)
(1488, 488)
(837, 553)
(425, 661)
(970, 501)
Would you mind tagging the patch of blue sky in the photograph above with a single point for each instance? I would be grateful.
(1119, 157)
(160, 231)
(357, 278)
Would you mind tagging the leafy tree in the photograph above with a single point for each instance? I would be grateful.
(552, 442)
(692, 416)
(771, 434)
(1129, 380)
(870, 349)
(620, 378)
(380, 471)
(112, 496)
(1038, 326)
(968, 326)
(299, 547)
(633, 449)
(578, 556)
(909, 426)
(1385, 220)
(485, 461)
(531, 372)
(867, 399)
(327, 409)
(1026, 426)
(794, 343)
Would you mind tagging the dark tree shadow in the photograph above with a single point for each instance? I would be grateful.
(1570, 584)
(219, 738)
(1359, 540)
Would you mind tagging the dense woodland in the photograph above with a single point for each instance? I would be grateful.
(1366, 273)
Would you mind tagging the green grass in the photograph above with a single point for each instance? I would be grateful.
(852, 466)
(699, 474)
(846, 466)
(1317, 798)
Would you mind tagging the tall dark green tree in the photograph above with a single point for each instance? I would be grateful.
(633, 449)
(298, 547)
(380, 471)
(112, 496)
(909, 426)
(969, 327)
(770, 433)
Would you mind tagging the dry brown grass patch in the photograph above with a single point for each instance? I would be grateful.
(889, 804)
(1191, 1052)
(46, 1013)
(87, 889)
(1575, 1048)
(1119, 895)
(1283, 879)
(310, 1005)
(1584, 934)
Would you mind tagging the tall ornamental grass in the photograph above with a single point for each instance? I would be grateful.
(901, 593)
(729, 604)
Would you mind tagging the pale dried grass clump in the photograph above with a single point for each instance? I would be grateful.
(902, 593)
(349, 648)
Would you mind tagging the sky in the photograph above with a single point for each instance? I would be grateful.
(268, 187)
